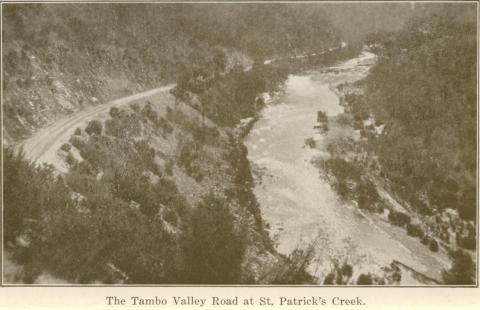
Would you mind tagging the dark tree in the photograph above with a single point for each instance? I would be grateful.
(462, 271)
(94, 127)
(213, 249)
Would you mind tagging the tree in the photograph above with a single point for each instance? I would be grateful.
(462, 271)
(27, 190)
(213, 249)
(94, 127)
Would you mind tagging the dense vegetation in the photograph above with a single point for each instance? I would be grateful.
(424, 90)
(416, 115)
(118, 215)
(61, 57)
(227, 96)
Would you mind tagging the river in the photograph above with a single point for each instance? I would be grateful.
(300, 206)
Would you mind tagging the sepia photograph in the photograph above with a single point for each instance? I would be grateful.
(239, 144)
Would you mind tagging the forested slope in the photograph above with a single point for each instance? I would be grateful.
(413, 157)
(59, 58)
(424, 90)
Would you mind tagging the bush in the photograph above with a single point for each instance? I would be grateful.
(77, 142)
(310, 142)
(425, 240)
(94, 127)
(399, 218)
(123, 126)
(365, 279)
(66, 147)
(414, 230)
(433, 245)
(322, 117)
(78, 132)
(95, 154)
(149, 113)
(367, 194)
(135, 107)
(114, 112)
(70, 160)
(114, 127)
(188, 159)
(340, 275)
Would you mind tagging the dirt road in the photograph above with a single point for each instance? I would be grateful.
(42, 146)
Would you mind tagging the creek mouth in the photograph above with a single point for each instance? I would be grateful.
(301, 207)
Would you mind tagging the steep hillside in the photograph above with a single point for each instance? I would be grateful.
(144, 167)
(59, 58)
(415, 138)
(355, 21)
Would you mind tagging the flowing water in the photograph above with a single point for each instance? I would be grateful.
(301, 207)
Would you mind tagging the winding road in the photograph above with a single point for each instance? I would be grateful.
(42, 146)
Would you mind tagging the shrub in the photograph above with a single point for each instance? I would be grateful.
(95, 154)
(123, 126)
(66, 147)
(114, 127)
(187, 159)
(149, 113)
(365, 279)
(78, 132)
(340, 275)
(398, 218)
(329, 279)
(70, 160)
(135, 107)
(77, 142)
(310, 142)
(367, 194)
(414, 230)
(164, 125)
(114, 112)
(94, 127)
(322, 117)
(433, 245)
